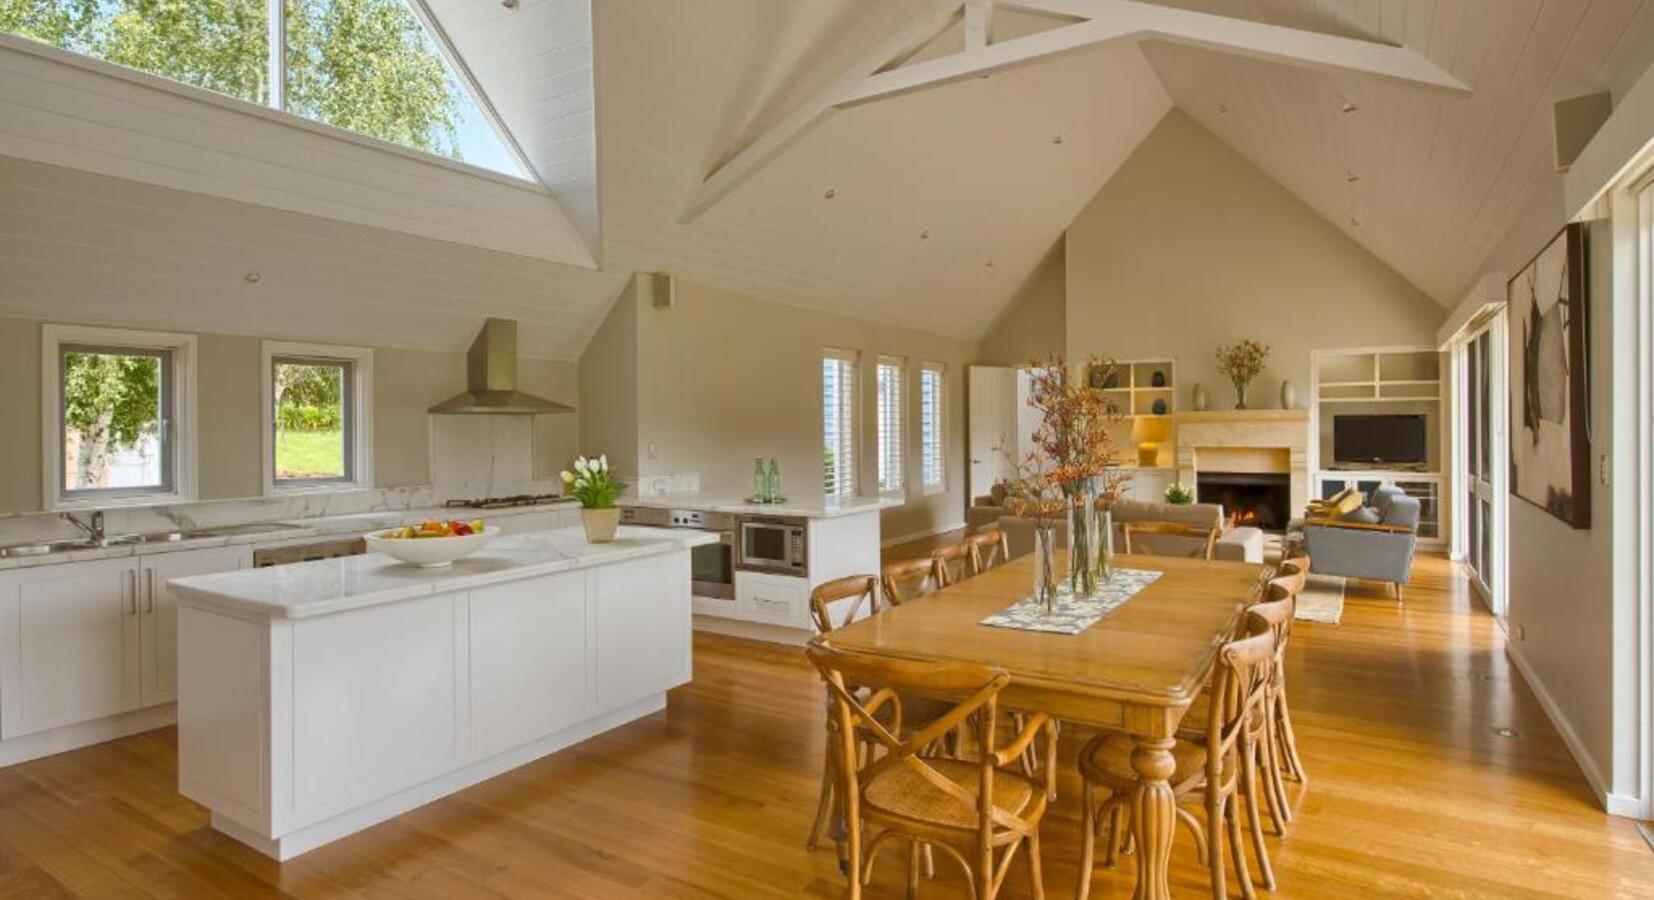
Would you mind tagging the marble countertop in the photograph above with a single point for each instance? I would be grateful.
(327, 586)
(283, 530)
(804, 509)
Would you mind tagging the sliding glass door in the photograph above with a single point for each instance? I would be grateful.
(1480, 364)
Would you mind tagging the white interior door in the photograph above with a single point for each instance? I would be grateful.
(993, 425)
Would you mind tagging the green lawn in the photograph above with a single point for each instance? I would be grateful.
(310, 454)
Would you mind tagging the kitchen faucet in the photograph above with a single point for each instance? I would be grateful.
(93, 530)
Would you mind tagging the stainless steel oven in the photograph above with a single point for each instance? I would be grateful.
(772, 544)
(711, 566)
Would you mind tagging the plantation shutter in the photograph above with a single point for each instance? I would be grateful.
(838, 422)
(932, 386)
(889, 392)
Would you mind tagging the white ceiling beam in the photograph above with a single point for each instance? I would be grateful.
(893, 51)
(978, 23)
(880, 74)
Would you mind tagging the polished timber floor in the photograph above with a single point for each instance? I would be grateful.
(1412, 795)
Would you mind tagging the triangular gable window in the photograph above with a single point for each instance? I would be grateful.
(367, 66)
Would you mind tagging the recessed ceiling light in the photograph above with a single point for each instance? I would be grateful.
(1223, 109)
(924, 235)
(1346, 105)
(989, 264)
(1057, 139)
(254, 278)
(830, 194)
(1354, 222)
(509, 4)
(1351, 177)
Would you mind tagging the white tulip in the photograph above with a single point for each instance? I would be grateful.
(566, 475)
(603, 463)
(580, 464)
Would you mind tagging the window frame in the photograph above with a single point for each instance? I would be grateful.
(178, 413)
(357, 397)
(940, 485)
(275, 107)
(851, 360)
(899, 429)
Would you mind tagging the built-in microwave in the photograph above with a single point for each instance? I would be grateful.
(771, 544)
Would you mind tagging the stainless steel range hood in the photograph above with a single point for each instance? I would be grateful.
(491, 378)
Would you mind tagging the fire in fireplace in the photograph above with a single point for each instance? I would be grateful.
(1261, 500)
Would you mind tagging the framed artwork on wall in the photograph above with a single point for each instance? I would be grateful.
(1550, 437)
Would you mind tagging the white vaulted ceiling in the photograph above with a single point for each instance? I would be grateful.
(1426, 181)
(942, 201)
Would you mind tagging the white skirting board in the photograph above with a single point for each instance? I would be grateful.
(1624, 805)
(326, 831)
(85, 734)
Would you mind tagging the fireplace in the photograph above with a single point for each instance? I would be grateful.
(1259, 500)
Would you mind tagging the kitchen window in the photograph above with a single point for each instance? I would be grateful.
(889, 388)
(117, 417)
(932, 402)
(316, 422)
(838, 422)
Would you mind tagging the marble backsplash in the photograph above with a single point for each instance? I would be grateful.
(471, 456)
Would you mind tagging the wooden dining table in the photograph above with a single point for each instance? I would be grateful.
(1136, 671)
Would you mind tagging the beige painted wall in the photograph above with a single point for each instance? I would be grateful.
(1189, 246)
(722, 378)
(406, 382)
(1035, 324)
(609, 386)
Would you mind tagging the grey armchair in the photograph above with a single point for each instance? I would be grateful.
(1375, 543)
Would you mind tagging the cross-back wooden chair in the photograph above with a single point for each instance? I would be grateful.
(1216, 769)
(952, 564)
(1299, 562)
(908, 579)
(1285, 743)
(972, 809)
(990, 549)
(1136, 532)
(1275, 615)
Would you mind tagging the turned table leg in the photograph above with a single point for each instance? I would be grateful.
(1153, 816)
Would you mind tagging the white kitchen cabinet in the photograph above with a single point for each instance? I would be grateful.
(69, 644)
(773, 599)
(158, 616)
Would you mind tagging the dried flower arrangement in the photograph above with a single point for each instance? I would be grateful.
(1241, 362)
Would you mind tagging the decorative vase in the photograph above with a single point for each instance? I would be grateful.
(1159, 407)
(760, 480)
(1082, 541)
(1158, 379)
(600, 524)
(1199, 397)
(1242, 389)
(1289, 395)
(1045, 565)
(1105, 544)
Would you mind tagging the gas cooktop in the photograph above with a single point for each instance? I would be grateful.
(514, 500)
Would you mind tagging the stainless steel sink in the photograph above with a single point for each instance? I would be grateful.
(44, 548)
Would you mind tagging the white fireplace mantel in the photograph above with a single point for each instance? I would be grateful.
(1245, 440)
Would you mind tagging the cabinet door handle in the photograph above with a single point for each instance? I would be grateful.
(149, 595)
(131, 592)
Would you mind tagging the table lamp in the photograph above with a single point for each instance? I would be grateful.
(1149, 432)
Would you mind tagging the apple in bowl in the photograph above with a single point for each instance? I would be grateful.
(431, 543)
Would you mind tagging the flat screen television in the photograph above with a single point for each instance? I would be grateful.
(1379, 440)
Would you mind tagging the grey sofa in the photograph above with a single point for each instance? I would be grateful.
(1375, 542)
(1237, 544)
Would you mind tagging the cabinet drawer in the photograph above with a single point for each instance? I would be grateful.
(777, 599)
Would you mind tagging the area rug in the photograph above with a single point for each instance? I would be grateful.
(1322, 599)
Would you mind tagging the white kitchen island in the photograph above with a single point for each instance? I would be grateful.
(320, 698)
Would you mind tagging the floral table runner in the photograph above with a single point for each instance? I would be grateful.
(1069, 614)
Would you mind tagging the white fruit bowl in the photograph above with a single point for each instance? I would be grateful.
(431, 551)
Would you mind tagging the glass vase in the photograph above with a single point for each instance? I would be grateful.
(760, 480)
(1082, 542)
(1105, 541)
(1045, 566)
(1242, 390)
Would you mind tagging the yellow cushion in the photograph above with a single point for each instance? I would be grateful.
(1347, 502)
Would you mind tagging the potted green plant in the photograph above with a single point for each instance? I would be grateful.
(1179, 494)
(594, 485)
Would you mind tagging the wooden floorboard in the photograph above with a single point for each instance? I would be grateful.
(1411, 795)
